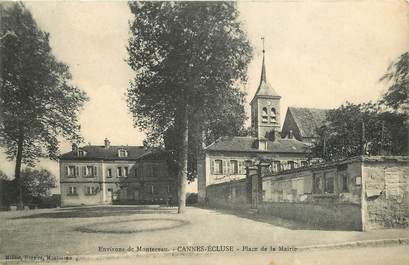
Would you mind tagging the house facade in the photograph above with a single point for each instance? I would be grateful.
(225, 159)
(92, 175)
(152, 181)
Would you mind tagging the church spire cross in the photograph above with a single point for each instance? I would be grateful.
(263, 67)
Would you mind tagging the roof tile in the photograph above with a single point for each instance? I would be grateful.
(247, 144)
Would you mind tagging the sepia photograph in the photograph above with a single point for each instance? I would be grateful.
(204, 132)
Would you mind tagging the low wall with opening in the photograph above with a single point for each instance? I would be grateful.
(324, 196)
(361, 193)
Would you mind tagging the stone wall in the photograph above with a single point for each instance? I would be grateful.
(386, 197)
(345, 216)
(361, 193)
(228, 195)
(326, 183)
(325, 196)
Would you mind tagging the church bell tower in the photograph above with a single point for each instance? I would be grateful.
(265, 108)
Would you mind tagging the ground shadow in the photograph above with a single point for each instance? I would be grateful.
(276, 221)
(96, 227)
(103, 211)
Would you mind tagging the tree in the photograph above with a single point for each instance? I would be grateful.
(396, 101)
(37, 183)
(379, 127)
(38, 102)
(189, 59)
(352, 130)
(397, 96)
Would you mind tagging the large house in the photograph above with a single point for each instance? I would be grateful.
(226, 158)
(101, 174)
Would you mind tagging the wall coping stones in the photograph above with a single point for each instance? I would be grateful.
(334, 164)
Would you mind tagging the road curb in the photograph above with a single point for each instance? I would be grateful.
(363, 243)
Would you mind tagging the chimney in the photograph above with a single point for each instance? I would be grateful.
(262, 144)
(271, 135)
(107, 143)
(74, 147)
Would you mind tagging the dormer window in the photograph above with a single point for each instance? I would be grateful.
(273, 116)
(264, 115)
(81, 153)
(122, 153)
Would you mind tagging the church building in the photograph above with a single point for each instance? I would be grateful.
(226, 158)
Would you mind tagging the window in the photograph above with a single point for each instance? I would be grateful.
(72, 191)
(89, 171)
(81, 153)
(119, 171)
(234, 168)
(291, 164)
(122, 153)
(109, 173)
(264, 115)
(344, 178)
(155, 170)
(148, 170)
(329, 182)
(218, 167)
(91, 191)
(273, 116)
(304, 163)
(317, 188)
(71, 171)
(126, 171)
(277, 166)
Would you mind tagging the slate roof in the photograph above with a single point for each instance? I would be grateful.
(247, 144)
(308, 119)
(265, 89)
(99, 152)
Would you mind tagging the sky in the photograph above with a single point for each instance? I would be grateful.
(318, 54)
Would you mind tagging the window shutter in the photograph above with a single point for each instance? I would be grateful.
(84, 170)
(95, 171)
(77, 171)
(229, 167)
(66, 170)
(212, 166)
(224, 167)
(241, 169)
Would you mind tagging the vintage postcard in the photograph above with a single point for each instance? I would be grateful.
(204, 132)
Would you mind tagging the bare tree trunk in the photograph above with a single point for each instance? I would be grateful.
(17, 172)
(182, 157)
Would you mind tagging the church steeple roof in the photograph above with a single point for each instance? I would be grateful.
(264, 88)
